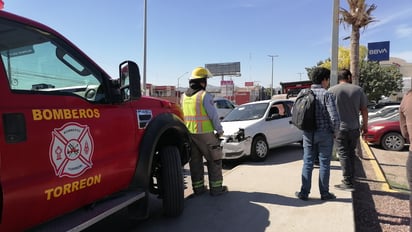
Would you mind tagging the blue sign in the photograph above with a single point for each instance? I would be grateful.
(378, 51)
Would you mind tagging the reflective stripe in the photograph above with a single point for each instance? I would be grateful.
(196, 118)
(216, 183)
(198, 184)
(199, 105)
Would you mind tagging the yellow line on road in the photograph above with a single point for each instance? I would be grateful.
(376, 168)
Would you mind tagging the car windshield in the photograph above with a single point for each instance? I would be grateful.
(247, 112)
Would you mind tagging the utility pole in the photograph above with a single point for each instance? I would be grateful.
(300, 75)
(271, 84)
(335, 44)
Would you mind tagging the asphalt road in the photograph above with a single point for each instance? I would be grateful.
(119, 221)
(391, 163)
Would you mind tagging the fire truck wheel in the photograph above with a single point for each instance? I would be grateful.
(172, 187)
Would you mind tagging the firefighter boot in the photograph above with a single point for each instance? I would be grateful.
(198, 188)
(217, 191)
(198, 191)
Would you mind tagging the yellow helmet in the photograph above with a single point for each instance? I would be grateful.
(200, 72)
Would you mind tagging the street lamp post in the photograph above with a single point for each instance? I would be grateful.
(178, 85)
(271, 84)
(178, 79)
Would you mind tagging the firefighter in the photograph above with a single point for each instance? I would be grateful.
(203, 123)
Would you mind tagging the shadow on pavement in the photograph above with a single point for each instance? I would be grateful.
(366, 217)
(234, 211)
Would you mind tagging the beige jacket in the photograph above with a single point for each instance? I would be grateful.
(405, 116)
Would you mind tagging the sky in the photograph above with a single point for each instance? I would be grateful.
(185, 34)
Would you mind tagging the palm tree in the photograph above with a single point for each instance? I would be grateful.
(358, 16)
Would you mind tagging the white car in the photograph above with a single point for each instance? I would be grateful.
(385, 116)
(381, 113)
(223, 106)
(253, 128)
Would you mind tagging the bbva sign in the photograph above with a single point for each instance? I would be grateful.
(378, 51)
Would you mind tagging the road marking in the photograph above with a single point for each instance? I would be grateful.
(376, 168)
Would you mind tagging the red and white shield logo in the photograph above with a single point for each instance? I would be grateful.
(71, 150)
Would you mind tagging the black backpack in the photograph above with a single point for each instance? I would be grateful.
(303, 111)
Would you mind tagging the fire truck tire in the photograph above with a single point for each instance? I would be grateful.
(172, 187)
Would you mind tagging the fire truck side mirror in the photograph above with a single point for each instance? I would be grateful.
(130, 86)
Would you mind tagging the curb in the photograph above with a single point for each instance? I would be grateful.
(380, 175)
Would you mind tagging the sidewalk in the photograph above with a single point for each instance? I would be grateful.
(261, 198)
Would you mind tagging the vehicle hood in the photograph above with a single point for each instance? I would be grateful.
(384, 123)
(230, 128)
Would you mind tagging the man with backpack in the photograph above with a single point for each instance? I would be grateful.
(318, 141)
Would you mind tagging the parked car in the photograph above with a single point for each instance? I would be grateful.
(384, 116)
(386, 133)
(223, 106)
(380, 105)
(251, 129)
(381, 113)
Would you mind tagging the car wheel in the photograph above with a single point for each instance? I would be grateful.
(259, 148)
(393, 141)
(172, 190)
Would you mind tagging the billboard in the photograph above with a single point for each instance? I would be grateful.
(249, 83)
(378, 51)
(224, 69)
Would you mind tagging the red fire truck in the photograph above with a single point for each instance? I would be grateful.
(77, 145)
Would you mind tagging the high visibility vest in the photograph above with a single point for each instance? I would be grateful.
(195, 116)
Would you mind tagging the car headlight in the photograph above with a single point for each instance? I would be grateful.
(237, 136)
(240, 135)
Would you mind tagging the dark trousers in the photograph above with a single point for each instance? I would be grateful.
(207, 146)
(345, 143)
(409, 176)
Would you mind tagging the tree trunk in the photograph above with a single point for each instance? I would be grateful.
(354, 54)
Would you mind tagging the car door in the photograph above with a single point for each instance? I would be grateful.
(61, 133)
(280, 130)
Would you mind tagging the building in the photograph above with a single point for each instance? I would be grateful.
(405, 69)
(252, 91)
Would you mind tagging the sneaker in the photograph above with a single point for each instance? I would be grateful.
(301, 196)
(346, 187)
(218, 191)
(327, 197)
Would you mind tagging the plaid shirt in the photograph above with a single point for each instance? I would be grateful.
(327, 117)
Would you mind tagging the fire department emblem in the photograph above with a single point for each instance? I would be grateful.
(71, 150)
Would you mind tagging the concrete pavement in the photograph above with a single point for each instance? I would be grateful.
(262, 198)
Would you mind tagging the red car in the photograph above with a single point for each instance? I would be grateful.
(386, 133)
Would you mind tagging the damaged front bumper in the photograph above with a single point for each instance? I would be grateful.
(236, 146)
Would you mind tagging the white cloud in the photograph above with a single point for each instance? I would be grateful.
(390, 17)
(403, 31)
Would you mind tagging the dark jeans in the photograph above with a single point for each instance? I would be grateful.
(345, 143)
